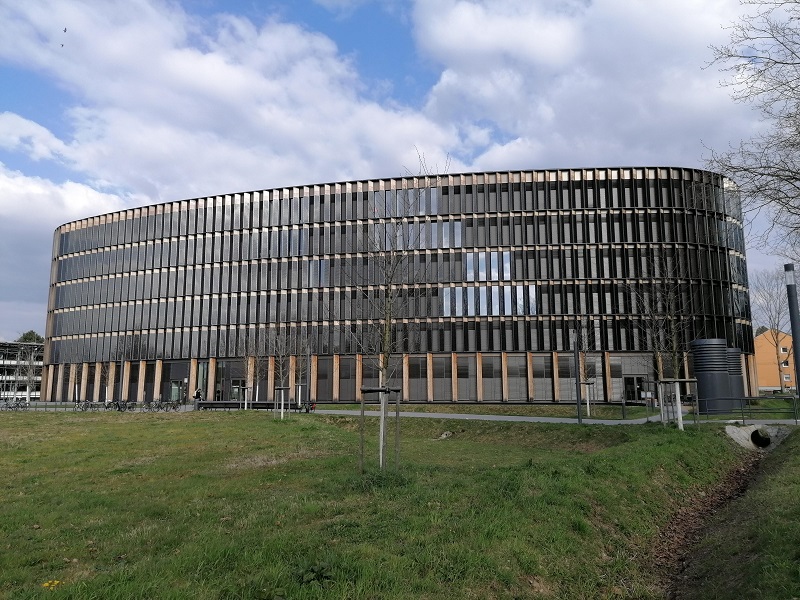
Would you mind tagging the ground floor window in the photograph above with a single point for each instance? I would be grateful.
(425, 377)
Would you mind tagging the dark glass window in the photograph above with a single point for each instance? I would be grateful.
(467, 378)
(324, 378)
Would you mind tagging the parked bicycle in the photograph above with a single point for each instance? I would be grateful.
(84, 405)
(158, 404)
(121, 405)
(14, 404)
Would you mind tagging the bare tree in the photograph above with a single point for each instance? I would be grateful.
(763, 63)
(665, 319)
(768, 301)
(285, 344)
(253, 346)
(664, 325)
(588, 351)
(104, 380)
(302, 367)
(278, 347)
(30, 367)
(381, 270)
(129, 348)
(78, 382)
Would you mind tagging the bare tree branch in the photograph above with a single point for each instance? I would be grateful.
(29, 364)
(664, 316)
(386, 281)
(768, 301)
(762, 60)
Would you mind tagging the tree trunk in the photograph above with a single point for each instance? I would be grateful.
(361, 439)
(382, 429)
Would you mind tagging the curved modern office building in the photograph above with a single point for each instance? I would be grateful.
(488, 280)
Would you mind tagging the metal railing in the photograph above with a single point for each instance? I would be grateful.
(750, 408)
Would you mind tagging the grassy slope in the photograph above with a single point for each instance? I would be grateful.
(752, 549)
(238, 505)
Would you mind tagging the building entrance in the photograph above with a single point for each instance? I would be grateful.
(633, 386)
(177, 391)
(238, 389)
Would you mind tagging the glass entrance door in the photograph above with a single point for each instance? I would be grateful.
(176, 391)
(238, 389)
(633, 388)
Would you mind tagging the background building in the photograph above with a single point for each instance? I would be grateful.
(774, 360)
(20, 370)
(500, 274)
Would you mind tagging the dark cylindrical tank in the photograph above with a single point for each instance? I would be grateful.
(710, 358)
(735, 372)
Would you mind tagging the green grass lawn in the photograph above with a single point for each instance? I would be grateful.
(240, 505)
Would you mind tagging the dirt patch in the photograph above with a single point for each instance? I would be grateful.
(257, 461)
(538, 586)
(676, 540)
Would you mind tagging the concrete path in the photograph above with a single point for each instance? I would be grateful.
(475, 417)
(687, 418)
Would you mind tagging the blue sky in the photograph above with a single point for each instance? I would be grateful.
(157, 100)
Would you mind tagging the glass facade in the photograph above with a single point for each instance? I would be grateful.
(498, 271)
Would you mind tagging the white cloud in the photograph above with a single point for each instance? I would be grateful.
(33, 201)
(582, 83)
(29, 138)
(476, 36)
(226, 106)
(30, 210)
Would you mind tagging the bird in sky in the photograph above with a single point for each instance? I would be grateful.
(65, 30)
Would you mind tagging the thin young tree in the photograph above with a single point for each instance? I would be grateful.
(129, 348)
(664, 319)
(588, 350)
(30, 367)
(278, 347)
(768, 302)
(78, 380)
(381, 271)
(104, 380)
(253, 346)
(288, 344)
(302, 366)
(762, 60)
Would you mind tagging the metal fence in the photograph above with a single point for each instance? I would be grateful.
(751, 408)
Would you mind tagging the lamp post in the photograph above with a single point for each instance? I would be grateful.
(794, 318)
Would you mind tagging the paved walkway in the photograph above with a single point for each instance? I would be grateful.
(687, 418)
(476, 417)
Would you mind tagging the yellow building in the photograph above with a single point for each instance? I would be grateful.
(774, 360)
